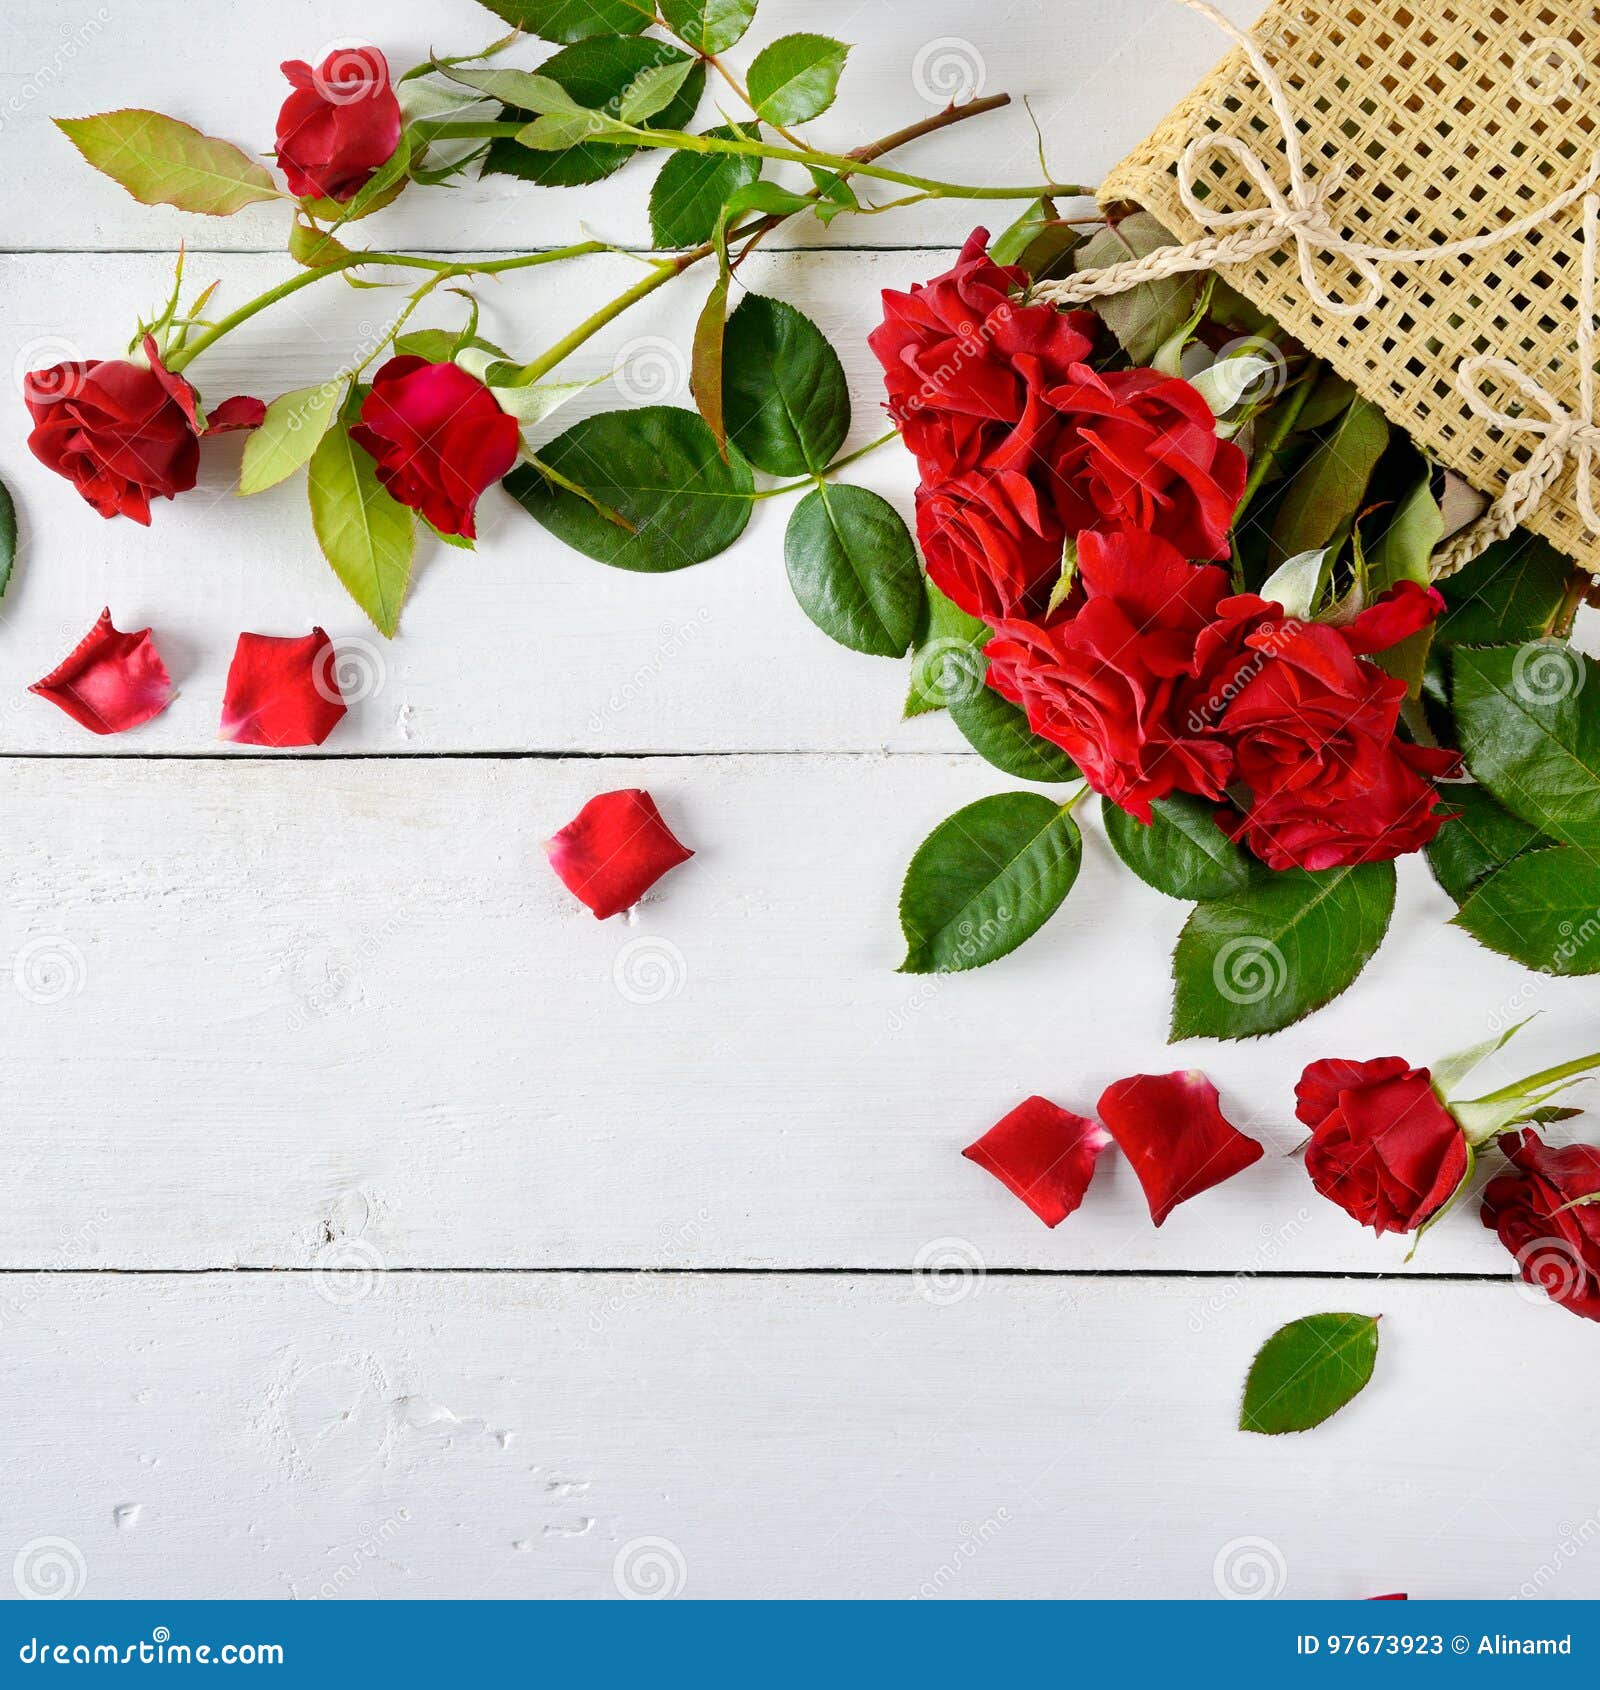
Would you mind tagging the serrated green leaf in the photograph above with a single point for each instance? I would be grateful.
(1009, 245)
(653, 90)
(1482, 837)
(161, 161)
(1328, 490)
(365, 534)
(1307, 1371)
(985, 880)
(659, 469)
(1542, 909)
(289, 433)
(998, 731)
(573, 20)
(709, 26)
(796, 78)
(1529, 723)
(527, 90)
(8, 537)
(785, 396)
(854, 569)
(1145, 317)
(1269, 955)
(1182, 852)
(1510, 595)
(692, 188)
(948, 661)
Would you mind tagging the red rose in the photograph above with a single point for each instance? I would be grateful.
(124, 433)
(1312, 727)
(341, 122)
(438, 438)
(1137, 449)
(1540, 1218)
(960, 355)
(1383, 1145)
(1113, 684)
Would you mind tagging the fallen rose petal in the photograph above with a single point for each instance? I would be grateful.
(614, 850)
(111, 681)
(1043, 1154)
(1171, 1128)
(281, 691)
(238, 412)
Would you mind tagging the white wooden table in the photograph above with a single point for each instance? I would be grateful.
(373, 1224)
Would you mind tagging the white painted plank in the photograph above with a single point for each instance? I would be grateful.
(517, 1436)
(1099, 77)
(254, 1005)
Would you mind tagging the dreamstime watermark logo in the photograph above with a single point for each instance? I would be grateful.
(1549, 70)
(974, 1539)
(347, 71)
(49, 1569)
(43, 77)
(348, 670)
(649, 1569)
(347, 1271)
(48, 370)
(947, 1271)
(1249, 970)
(1275, 1240)
(49, 970)
(948, 671)
(370, 1542)
(650, 370)
(1249, 1569)
(1573, 1541)
(1547, 672)
(1552, 1271)
(649, 970)
(674, 638)
(948, 71)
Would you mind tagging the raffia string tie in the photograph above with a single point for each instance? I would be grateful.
(1300, 213)
(1562, 435)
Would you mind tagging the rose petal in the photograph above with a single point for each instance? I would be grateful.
(614, 850)
(1172, 1130)
(111, 681)
(281, 691)
(238, 412)
(1043, 1154)
(1394, 1596)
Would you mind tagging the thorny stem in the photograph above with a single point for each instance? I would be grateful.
(1580, 584)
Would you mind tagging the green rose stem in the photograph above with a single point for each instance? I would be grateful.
(831, 469)
(444, 270)
(1483, 1118)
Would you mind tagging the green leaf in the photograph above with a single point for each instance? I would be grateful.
(796, 77)
(161, 161)
(948, 663)
(659, 468)
(998, 731)
(8, 537)
(787, 403)
(653, 90)
(573, 20)
(766, 197)
(1146, 317)
(561, 131)
(1182, 852)
(1289, 943)
(1403, 554)
(289, 433)
(364, 534)
(1529, 723)
(1512, 594)
(1009, 245)
(1328, 490)
(1307, 1371)
(692, 188)
(1542, 909)
(985, 880)
(1483, 837)
(835, 195)
(709, 26)
(706, 359)
(314, 249)
(526, 90)
(438, 346)
(596, 73)
(854, 569)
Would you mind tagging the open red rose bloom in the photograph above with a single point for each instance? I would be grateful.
(1085, 513)
(341, 122)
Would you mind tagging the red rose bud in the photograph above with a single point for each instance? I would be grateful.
(614, 850)
(1545, 1215)
(1137, 449)
(123, 433)
(438, 438)
(111, 681)
(1042, 1154)
(1383, 1145)
(341, 122)
(1172, 1129)
(281, 691)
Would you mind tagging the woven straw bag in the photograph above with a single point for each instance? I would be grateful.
(1422, 123)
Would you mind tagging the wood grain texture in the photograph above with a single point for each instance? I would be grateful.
(257, 1006)
(514, 1436)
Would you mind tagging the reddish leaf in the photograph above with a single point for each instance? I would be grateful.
(1043, 1154)
(614, 850)
(111, 681)
(1172, 1130)
(281, 691)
